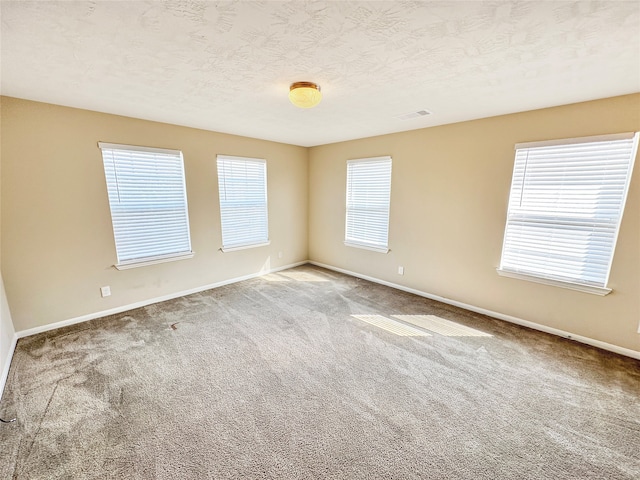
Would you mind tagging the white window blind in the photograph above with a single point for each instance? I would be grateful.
(148, 201)
(242, 186)
(368, 201)
(565, 208)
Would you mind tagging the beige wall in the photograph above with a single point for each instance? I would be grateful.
(57, 241)
(449, 197)
(450, 188)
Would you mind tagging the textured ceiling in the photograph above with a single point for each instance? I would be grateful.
(226, 66)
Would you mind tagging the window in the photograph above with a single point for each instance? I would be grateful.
(242, 185)
(565, 208)
(148, 203)
(368, 200)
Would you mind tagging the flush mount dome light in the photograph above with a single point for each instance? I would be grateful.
(305, 94)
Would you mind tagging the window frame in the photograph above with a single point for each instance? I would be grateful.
(611, 226)
(349, 239)
(119, 233)
(259, 241)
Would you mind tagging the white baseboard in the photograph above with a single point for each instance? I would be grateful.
(500, 316)
(5, 370)
(144, 303)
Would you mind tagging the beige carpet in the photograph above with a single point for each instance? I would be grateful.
(310, 374)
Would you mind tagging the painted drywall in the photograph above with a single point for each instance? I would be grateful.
(57, 239)
(449, 195)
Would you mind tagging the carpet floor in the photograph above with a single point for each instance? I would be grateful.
(311, 374)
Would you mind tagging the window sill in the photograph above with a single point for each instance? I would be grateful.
(153, 261)
(367, 247)
(244, 247)
(602, 291)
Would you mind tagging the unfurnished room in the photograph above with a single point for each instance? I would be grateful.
(320, 239)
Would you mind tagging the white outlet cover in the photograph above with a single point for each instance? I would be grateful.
(105, 291)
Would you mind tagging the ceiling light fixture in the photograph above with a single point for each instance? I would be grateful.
(305, 94)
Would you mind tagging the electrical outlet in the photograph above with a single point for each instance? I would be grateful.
(105, 291)
(279, 254)
(400, 270)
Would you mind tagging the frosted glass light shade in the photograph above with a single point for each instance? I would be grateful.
(305, 94)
